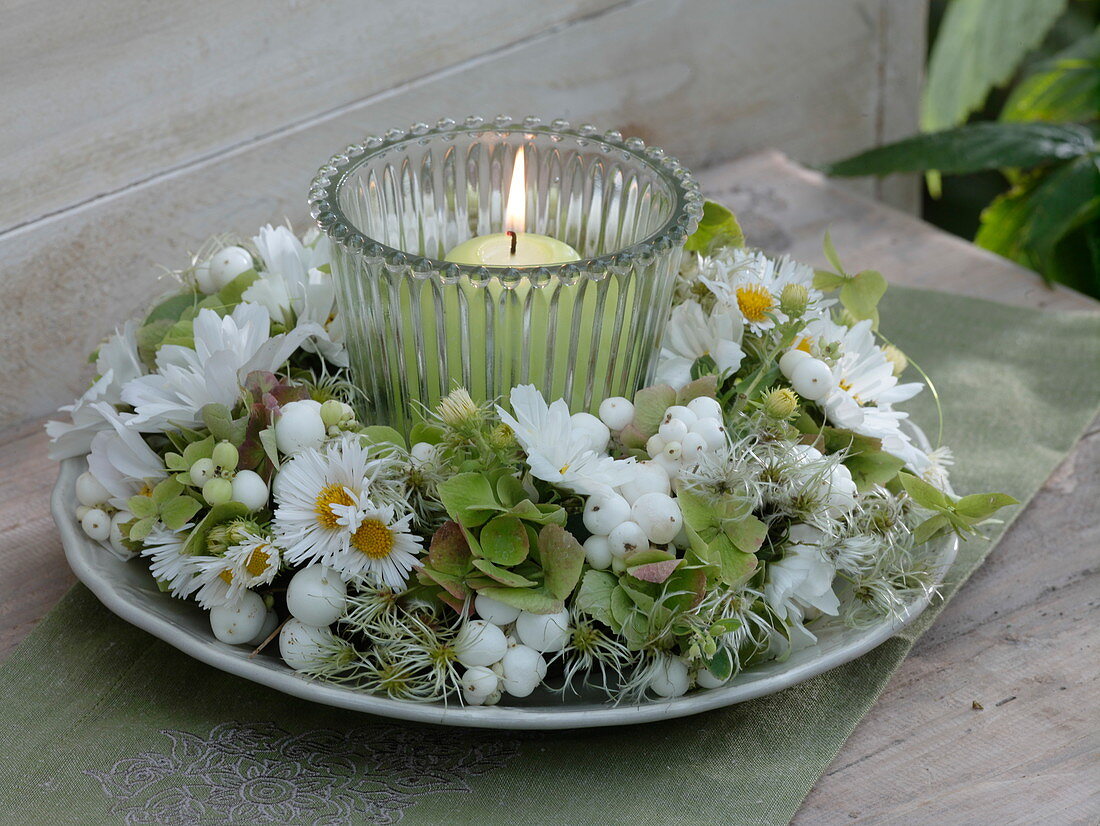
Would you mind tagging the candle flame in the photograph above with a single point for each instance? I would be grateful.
(515, 214)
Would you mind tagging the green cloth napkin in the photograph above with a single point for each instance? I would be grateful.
(102, 723)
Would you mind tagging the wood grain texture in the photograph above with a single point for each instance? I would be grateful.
(706, 79)
(1020, 637)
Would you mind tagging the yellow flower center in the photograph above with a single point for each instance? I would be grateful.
(803, 345)
(226, 576)
(374, 539)
(563, 469)
(257, 561)
(845, 385)
(329, 496)
(755, 302)
(146, 489)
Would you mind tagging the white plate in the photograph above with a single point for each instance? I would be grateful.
(127, 589)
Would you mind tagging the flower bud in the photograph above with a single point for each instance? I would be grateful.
(458, 409)
(793, 300)
(896, 358)
(780, 403)
(334, 412)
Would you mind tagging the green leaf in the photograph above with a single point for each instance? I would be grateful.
(721, 664)
(545, 513)
(717, 228)
(503, 540)
(201, 449)
(646, 556)
(448, 550)
(178, 512)
(705, 386)
(219, 421)
(873, 468)
(166, 489)
(142, 507)
(698, 513)
(622, 606)
(656, 572)
(594, 595)
(231, 294)
(468, 498)
(270, 445)
(141, 528)
(510, 491)
(650, 404)
(534, 600)
(930, 528)
(735, 567)
(1065, 89)
(924, 494)
(425, 432)
(378, 434)
(746, 532)
(828, 281)
(502, 575)
(562, 559)
(979, 506)
(860, 295)
(832, 257)
(979, 46)
(972, 148)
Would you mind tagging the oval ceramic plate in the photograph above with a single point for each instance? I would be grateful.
(127, 589)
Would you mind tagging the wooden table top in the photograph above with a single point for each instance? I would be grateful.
(1020, 638)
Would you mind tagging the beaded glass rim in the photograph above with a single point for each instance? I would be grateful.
(686, 212)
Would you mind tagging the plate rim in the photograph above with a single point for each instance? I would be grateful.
(231, 659)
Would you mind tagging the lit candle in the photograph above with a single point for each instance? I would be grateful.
(514, 247)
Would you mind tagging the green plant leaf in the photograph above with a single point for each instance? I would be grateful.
(141, 528)
(979, 506)
(1063, 89)
(196, 540)
(270, 445)
(721, 664)
(221, 424)
(448, 550)
(746, 532)
(930, 528)
(705, 386)
(510, 491)
(698, 513)
(831, 256)
(425, 432)
(650, 404)
(717, 228)
(562, 559)
(972, 148)
(622, 606)
(979, 46)
(502, 576)
(378, 434)
(656, 572)
(861, 294)
(468, 498)
(231, 294)
(594, 595)
(166, 489)
(535, 600)
(873, 468)
(924, 494)
(503, 540)
(735, 567)
(143, 507)
(178, 512)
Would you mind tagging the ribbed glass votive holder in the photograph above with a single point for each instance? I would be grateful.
(418, 326)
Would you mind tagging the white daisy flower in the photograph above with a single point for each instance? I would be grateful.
(338, 501)
(802, 578)
(120, 459)
(557, 451)
(294, 289)
(753, 283)
(117, 363)
(252, 562)
(692, 334)
(226, 350)
(167, 562)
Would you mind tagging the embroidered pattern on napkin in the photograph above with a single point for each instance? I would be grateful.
(250, 773)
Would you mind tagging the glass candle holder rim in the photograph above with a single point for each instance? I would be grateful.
(330, 218)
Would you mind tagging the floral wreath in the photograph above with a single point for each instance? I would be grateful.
(766, 487)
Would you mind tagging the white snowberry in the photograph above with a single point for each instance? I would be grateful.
(812, 379)
(89, 491)
(597, 550)
(647, 477)
(97, 524)
(791, 359)
(655, 445)
(523, 668)
(271, 622)
(423, 453)
(704, 407)
(302, 645)
(478, 685)
(659, 516)
(602, 514)
(683, 413)
(670, 678)
(706, 679)
(239, 621)
(479, 643)
(202, 471)
(595, 432)
(693, 447)
(223, 267)
(671, 467)
(299, 426)
(543, 632)
(628, 538)
(116, 538)
(673, 451)
(616, 412)
(673, 430)
(712, 431)
(316, 595)
(493, 611)
(250, 489)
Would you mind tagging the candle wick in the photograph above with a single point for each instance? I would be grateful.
(514, 238)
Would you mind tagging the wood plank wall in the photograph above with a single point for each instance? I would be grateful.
(132, 130)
